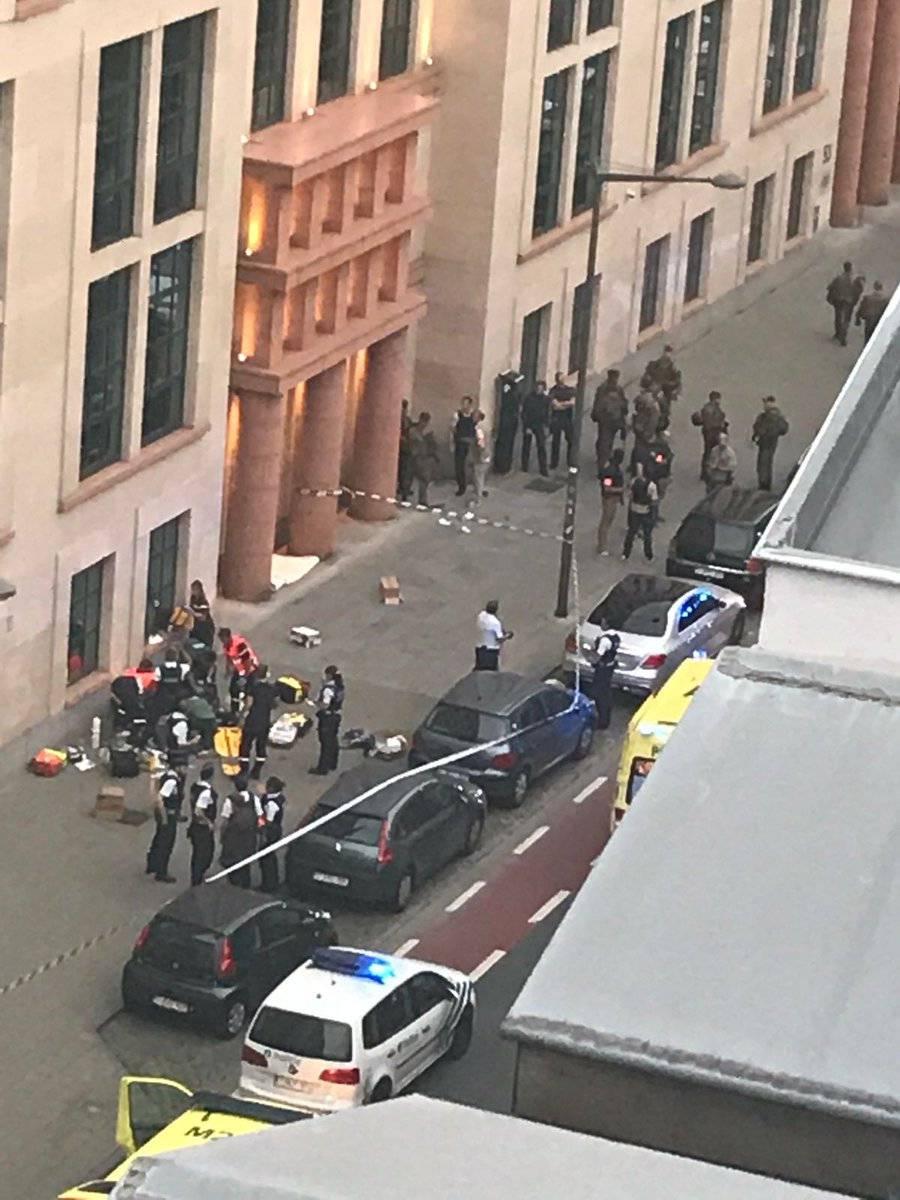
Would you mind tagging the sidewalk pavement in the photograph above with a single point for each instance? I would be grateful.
(65, 877)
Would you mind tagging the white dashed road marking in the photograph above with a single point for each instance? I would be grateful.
(491, 961)
(467, 895)
(403, 950)
(546, 909)
(529, 841)
(591, 787)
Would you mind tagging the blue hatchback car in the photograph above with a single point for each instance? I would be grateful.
(529, 725)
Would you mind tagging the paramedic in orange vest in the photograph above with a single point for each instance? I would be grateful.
(243, 662)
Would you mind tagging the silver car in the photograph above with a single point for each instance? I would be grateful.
(660, 623)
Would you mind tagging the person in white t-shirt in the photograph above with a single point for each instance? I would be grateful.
(491, 636)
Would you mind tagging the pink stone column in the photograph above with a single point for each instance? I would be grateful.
(895, 174)
(318, 468)
(246, 572)
(844, 203)
(378, 429)
(881, 118)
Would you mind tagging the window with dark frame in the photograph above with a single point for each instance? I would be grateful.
(797, 200)
(776, 56)
(167, 338)
(579, 335)
(273, 20)
(105, 362)
(550, 152)
(759, 217)
(591, 121)
(334, 49)
(115, 153)
(561, 27)
(180, 99)
(706, 80)
(396, 31)
(699, 240)
(85, 622)
(162, 576)
(805, 63)
(600, 14)
(672, 91)
(654, 262)
(533, 329)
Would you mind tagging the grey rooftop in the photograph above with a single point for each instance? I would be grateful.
(417, 1147)
(841, 513)
(741, 929)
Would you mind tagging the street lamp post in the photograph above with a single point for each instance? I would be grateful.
(726, 181)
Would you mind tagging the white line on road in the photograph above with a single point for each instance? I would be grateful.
(529, 841)
(403, 950)
(467, 895)
(491, 961)
(546, 909)
(591, 787)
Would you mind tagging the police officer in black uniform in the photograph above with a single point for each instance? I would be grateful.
(602, 658)
(329, 701)
(273, 802)
(263, 696)
(167, 807)
(204, 810)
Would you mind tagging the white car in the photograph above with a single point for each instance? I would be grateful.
(349, 1027)
(660, 622)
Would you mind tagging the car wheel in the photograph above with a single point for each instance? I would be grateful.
(473, 835)
(585, 741)
(381, 1091)
(233, 1019)
(402, 892)
(462, 1035)
(737, 629)
(519, 787)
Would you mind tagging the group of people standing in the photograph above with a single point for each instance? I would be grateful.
(419, 461)
(847, 294)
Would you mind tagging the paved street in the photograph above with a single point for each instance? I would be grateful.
(65, 878)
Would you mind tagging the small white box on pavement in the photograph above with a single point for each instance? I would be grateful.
(303, 635)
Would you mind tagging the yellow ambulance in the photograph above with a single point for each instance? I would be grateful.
(652, 725)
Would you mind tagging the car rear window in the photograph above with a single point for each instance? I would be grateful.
(694, 540)
(648, 620)
(185, 949)
(466, 724)
(305, 1036)
(733, 541)
(349, 826)
(700, 538)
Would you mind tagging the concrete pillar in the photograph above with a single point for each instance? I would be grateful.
(318, 466)
(844, 203)
(881, 118)
(895, 174)
(378, 429)
(253, 506)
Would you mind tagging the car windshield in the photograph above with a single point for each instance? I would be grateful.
(349, 826)
(307, 1037)
(466, 724)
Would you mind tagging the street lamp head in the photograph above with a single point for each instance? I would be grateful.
(729, 181)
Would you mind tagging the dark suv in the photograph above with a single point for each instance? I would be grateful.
(534, 724)
(716, 540)
(378, 852)
(212, 954)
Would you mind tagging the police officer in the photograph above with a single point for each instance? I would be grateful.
(562, 419)
(612, 497)
(602, 658)
(535, 418)
(659, 468)
(242, 819)
(177, 739)
(768, 428)
(201, 831)
(263, 696)
(166, 808)
(273, 802)
(329, 702)
(170, 686)
(610, 414)
(642, 498)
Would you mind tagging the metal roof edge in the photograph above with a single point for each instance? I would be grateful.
(826, 564)
(826, 676)
(576, 1041)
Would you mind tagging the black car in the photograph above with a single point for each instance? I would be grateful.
(525, 725)
(716, 540)
(379, 851)
(212, 954)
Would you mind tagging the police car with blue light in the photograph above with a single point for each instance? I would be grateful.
(350, 1028)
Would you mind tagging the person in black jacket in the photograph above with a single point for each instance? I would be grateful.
(201, 831)
(273, 802)
(463, 438)
(262, 694)
(535, 418)
(330, 703)
(768, 427)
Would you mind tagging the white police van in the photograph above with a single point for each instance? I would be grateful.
(349, 1027)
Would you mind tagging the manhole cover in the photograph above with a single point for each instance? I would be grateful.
(544, 485)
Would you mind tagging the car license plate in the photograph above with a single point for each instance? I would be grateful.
(293, 1085)
(337, 880)
(172, 1005)
(710, 573)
